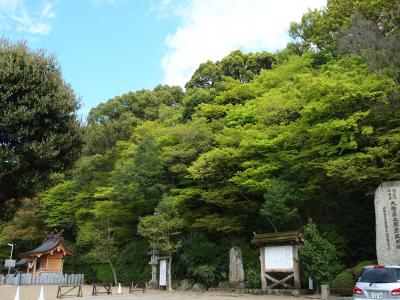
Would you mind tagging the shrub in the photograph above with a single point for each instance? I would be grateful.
(347, 278)
(318, 256)
(206, 274)
(201, 260)
(252, 278)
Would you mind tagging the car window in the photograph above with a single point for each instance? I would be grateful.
(380, 275)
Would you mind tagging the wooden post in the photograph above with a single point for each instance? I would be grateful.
(34, 268)
(296, 268)
(262, 264)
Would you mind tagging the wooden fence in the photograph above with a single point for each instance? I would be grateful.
(42, 279)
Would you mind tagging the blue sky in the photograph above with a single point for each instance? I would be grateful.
(109, 47)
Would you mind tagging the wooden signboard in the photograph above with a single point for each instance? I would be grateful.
(279, 255)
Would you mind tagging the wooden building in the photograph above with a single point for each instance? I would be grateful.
(48, 257)
(279, 255)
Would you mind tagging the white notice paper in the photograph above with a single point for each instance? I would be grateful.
(278, 257)
(163, 272)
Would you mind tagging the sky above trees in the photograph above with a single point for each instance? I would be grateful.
(108, 47)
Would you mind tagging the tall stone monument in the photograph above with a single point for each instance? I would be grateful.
(387, 214)
(236, 272)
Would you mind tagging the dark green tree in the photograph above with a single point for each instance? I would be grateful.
(39, 130)
(318, 256)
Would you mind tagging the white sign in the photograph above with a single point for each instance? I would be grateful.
(278, 257)
(163, 272)
(387, 215)
(9, 263)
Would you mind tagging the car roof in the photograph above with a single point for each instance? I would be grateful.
(381, 267)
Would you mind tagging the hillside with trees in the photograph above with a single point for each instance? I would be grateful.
(256, 142)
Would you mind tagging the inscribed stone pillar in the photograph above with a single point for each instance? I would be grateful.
(387, 214)
(236, 272)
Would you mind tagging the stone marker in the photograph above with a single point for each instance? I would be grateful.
(236, 272)
(387, 214)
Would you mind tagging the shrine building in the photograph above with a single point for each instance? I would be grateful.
(48, 257)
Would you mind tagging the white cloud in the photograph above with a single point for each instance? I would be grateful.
(211, 29)
(16, 15)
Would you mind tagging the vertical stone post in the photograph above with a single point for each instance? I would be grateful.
(236, 271)
(324, 292)
(154, 263)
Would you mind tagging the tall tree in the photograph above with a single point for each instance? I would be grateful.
(163, 229)
(39, 130)
(321, 29)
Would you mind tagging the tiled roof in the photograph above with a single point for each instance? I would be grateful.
(51, 242)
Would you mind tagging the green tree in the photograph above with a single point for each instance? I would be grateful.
(99, 232)
(27, 226)
(377, 45)
(275, 208)
(115, 120)
(318, 256)
(162, 229)
(39, 130)
(322, 28)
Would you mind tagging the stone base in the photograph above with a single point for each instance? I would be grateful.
(281, 292)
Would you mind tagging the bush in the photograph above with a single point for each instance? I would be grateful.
(344, 280)
(201, 260)
(133, 263)
(318, 256)
(252, 278)
(206, 274)
(347, 278)
(103, 273)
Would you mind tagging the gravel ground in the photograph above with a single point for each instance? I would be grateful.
(50, 291)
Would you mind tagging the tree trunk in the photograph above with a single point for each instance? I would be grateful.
(169, 272)
(113, 270)
(109, 255)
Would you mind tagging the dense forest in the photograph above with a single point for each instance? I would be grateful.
(255, 142)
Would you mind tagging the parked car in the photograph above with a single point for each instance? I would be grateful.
(378, 282)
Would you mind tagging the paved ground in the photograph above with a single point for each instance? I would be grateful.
(32, 293)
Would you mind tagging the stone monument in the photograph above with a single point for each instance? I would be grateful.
(236, 272)
(387, 215)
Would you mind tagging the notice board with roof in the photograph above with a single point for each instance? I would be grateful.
(279, 255)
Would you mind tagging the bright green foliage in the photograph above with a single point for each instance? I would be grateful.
(163, 227)
(256, 143)
(115, 119)
(39, 130)
(318, 256)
